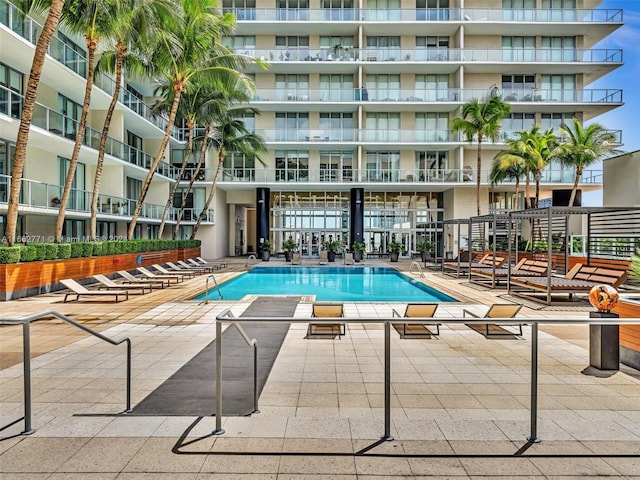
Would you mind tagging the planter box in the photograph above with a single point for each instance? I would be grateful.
(629, 334)
(18, 280)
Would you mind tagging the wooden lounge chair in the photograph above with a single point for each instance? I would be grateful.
(488, 261)
(183, 273)
(327, 310)
(156, 276)
(524, 268)
(132, 279)
(458, 265)
(497, 310)
(581, 278)
(417, 310)
(79, 290)
(173, 267)
(205, 268)
(108, 284)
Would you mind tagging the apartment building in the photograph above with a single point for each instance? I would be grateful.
(356, 107)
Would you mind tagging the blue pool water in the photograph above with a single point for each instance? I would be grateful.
(368, 284)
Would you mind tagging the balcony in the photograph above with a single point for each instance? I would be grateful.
(63, 126)
(72, 57)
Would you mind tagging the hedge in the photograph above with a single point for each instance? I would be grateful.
(54, 251)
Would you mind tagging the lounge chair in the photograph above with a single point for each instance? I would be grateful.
(222, 264)
(524, 268)
(108, 284)
(156, 276)
(195, 263)
(459, 265)
(183, 273)
(132, 279)
(205, 268)
(172, 267)
(323, 257)
(417, 310)
(581, 278)
(327, 310)
(348, 259)
(497, 310)
(79, 290)
(296, 259)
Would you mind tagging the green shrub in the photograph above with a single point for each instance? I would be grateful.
(76, 250)
(64, 250)
(87, 249)
(10, 254)
(27, 253)
(40, 251)
(50, 251)
(98, 249)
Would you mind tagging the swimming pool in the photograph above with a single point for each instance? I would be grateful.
(367, 284)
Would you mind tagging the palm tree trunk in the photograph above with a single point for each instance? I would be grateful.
(174, 187)
(156, 161)
(575, 186)
(527, 198)
(17, 168)
(537, 188)
(211, 194)
(478, 171)
(66, 192)
(203, 149)
(122, 51)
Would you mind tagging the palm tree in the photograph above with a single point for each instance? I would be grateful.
(583, 147)
(481, 120)
(137, 21)
(230, 135)
(508, 165)
(541, 148)
(193, 50)
(96, 20)
(17, 168)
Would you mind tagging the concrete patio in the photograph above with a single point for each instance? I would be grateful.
(460, 402)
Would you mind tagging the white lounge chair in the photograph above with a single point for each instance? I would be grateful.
(132, 279)
(80, 290)
(108, 284)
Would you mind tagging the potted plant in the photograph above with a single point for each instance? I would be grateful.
(332, 248)
(424, 247)
(394, 248)
(265, 250)
(289, 246)
(358, 251)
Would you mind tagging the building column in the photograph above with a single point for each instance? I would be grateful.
(356, 214)
(263, 196)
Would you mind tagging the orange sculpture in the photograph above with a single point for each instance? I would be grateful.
(604, 297)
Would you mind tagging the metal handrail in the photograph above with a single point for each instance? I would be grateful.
(226, 315)
(26, 352)
(206, 292)
(416, 264)
(252, 343)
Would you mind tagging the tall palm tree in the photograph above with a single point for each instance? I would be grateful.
(17, 168)
(230, 135)
(138, 20)
(96, 20)
(508, 166)
(583, 147)
(481, 120)
(192, 50)
(541, 148)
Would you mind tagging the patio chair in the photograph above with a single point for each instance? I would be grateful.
(173, 267)
(348, 259)
(80, 290)
(108, 284)
(417, 310)
(203, 261)
(132, 279)
(203, 267)
(323, 257)
(497, 310)
(182, 273)
(156, 276)
(296, 259)
(327, 310)
(524, 268)
(213, 265)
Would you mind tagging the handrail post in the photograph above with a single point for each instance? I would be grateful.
(206, 291)
(533, 435)
(128, 376)
(255, 378)
(26, 356)
(218, 430)
(387, 382)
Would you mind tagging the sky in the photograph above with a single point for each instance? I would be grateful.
(627, 77)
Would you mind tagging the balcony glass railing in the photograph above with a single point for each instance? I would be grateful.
(373, 175)
(297, 94)
(74, 59)
(63, 126)
(427, 14)
(420, 55)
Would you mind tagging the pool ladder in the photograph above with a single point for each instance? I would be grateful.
(206, 293)
(419, 271)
